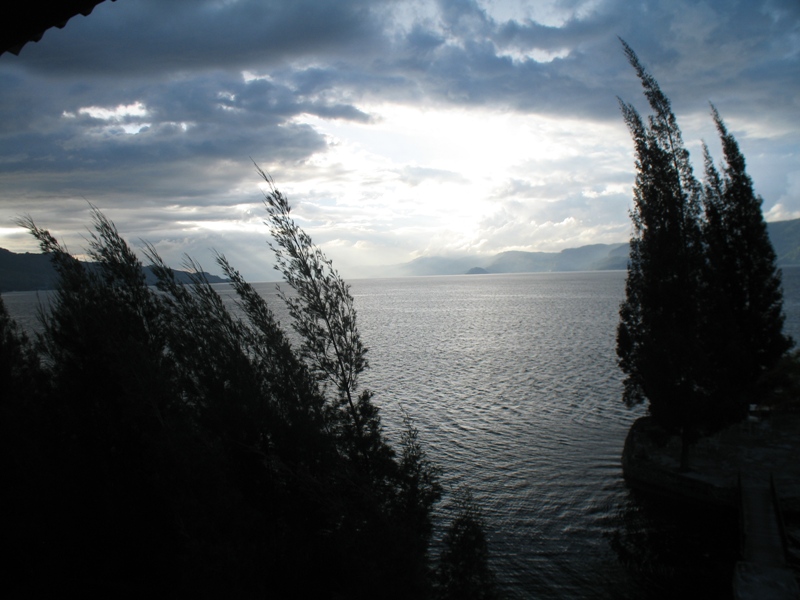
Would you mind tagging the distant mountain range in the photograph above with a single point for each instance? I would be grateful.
(785, 236)
(27, 272)
(21, 272)
(597, 257)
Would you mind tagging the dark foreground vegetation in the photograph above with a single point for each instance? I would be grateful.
(701, 339)
(154, 442)
(701, 327)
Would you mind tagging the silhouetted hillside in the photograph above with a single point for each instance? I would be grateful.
(28, 272)
(21, 272)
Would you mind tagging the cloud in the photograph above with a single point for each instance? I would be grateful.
(399, 127)
(147, 37)
(414, 175)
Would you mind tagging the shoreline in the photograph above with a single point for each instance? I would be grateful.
(757, 448)
(759, 451)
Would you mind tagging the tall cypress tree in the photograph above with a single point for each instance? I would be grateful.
(744, 298)
(703, 315)
(658, 338)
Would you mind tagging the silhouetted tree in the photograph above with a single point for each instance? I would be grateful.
(702, 318)
(23, 456)
(174, 437)
(17, 358)
(659, 334)
(463, 572)
(104, 419)
(743, 285)
(325, 318)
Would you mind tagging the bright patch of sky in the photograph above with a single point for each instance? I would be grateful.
(552, 13)
(451, 170)
(137, 109)
(123, 118)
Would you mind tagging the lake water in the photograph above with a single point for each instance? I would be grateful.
(513, 384)
(512, 381)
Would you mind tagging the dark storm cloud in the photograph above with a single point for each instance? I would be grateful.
(172, 58)
(462, 55)
(146, 37)
(698, 51)
(329, 55)
(185, 126)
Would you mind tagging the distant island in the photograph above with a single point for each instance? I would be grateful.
(32, 272)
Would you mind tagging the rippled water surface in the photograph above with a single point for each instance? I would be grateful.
(513, 384)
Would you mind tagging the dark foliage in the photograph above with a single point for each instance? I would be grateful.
(463, 572)
(743, 297)
(658, 339)
(158, 442)
(702, 319)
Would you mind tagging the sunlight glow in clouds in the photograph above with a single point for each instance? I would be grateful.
(535, 54)
(124, 118)
(551, 13)
(137, 109)
(449, 170)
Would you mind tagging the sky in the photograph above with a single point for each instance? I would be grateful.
(398, 129)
